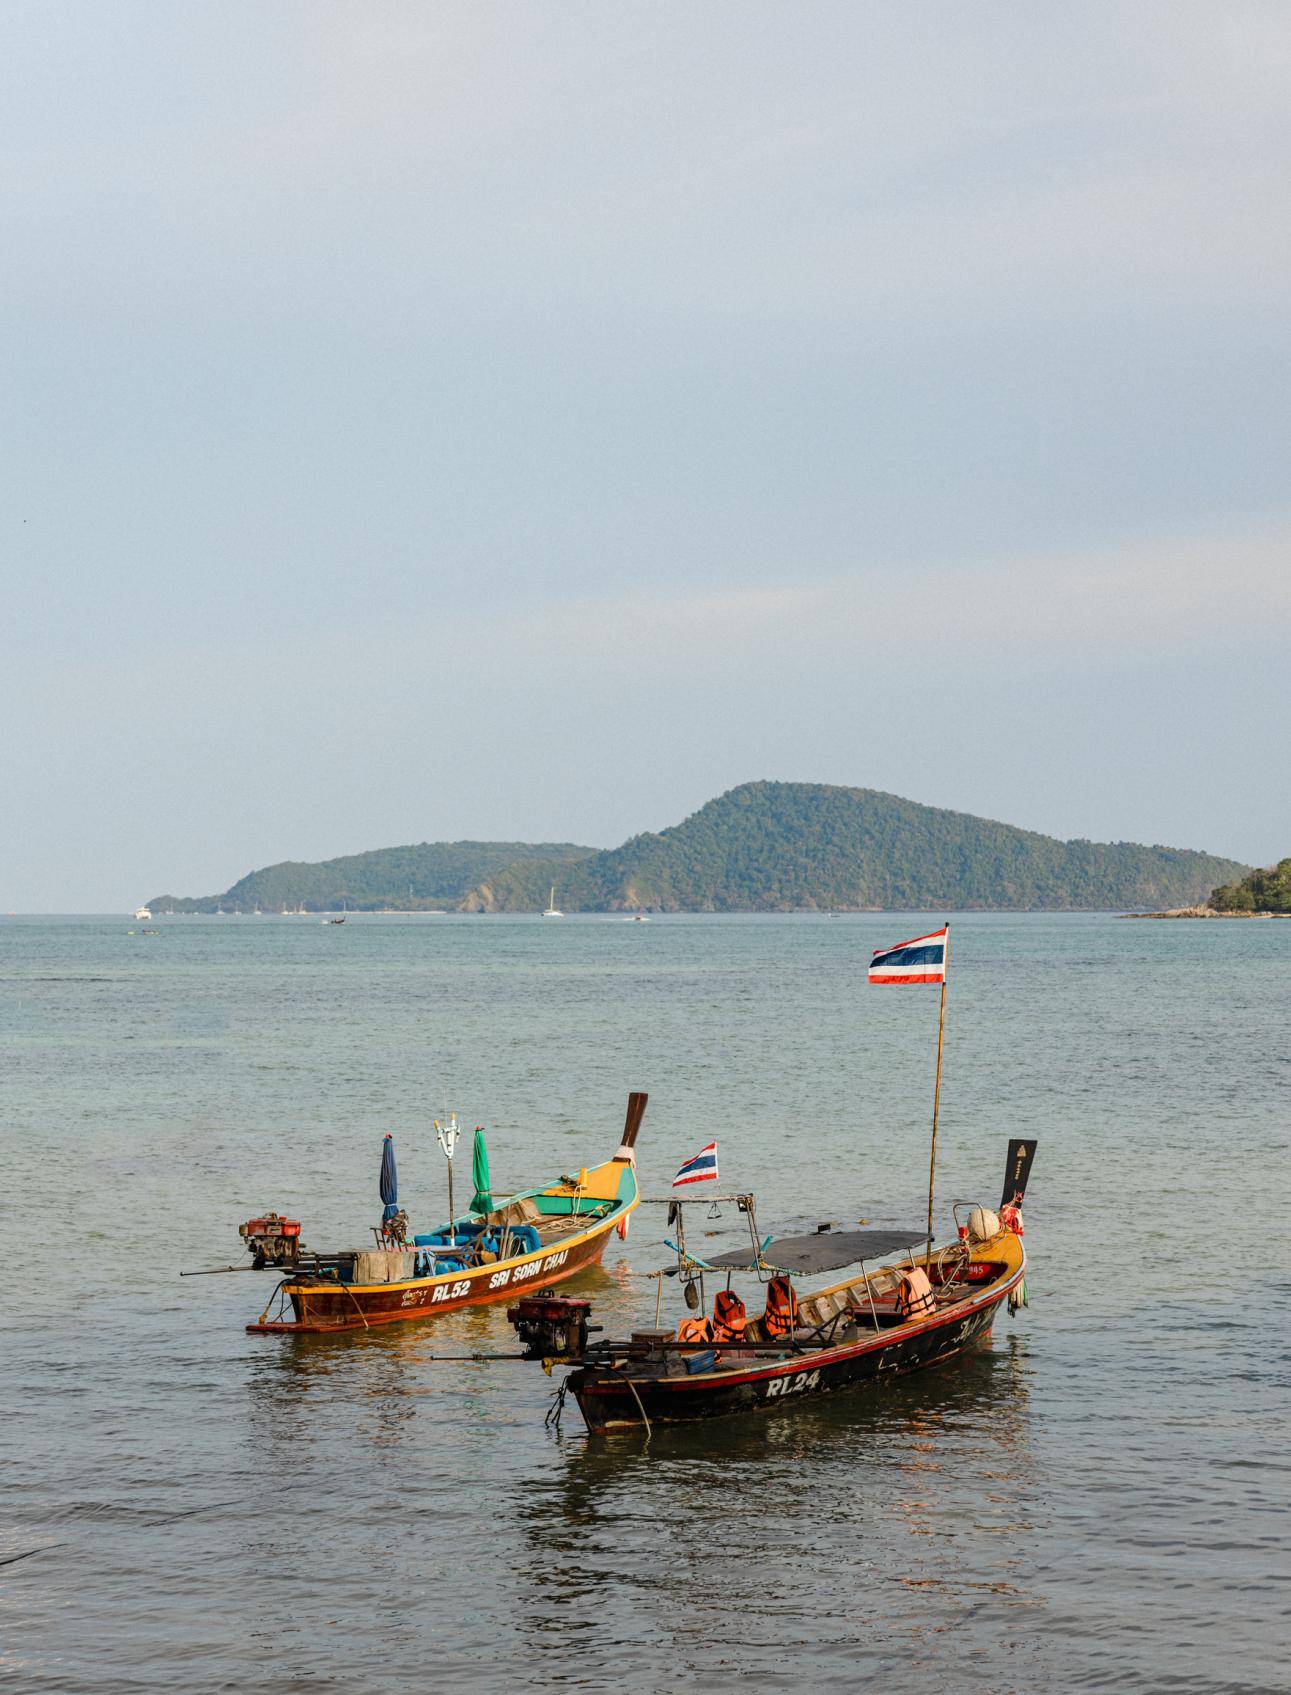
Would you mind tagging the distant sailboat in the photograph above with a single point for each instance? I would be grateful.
(552, 911)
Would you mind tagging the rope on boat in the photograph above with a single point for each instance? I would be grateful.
(359, 1309)
(264, 1316)
(557, 1407)
(644, 1415)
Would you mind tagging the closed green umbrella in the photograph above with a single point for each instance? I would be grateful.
(483, 1201)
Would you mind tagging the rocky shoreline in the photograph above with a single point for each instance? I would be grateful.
(1203, 912)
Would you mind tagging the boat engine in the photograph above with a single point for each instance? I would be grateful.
(271, 1240)
(551, 1326)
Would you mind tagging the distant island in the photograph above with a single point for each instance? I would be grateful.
(762, 847)
(1262, 894)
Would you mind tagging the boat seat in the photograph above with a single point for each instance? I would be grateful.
(883, 1311)
(431, 1264)
(882, 1318)
(462, 1234)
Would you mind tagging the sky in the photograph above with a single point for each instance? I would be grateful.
(528, 421)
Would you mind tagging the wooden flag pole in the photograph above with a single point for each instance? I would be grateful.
(936, 1093)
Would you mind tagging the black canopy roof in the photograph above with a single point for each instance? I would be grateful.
(822, 1250)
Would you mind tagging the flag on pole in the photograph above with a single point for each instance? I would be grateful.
(701, 1169)
(922, 960)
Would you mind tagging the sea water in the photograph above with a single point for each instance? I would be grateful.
(1094, 1500)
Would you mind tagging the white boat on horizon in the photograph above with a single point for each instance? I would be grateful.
(142, 913)
(552, 909)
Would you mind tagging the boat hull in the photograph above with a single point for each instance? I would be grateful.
(613, 1399)
(327, 1306)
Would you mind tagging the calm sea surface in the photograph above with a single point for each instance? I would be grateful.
(1096, 1500)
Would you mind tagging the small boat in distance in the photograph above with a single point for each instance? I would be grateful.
(552, 910)
(142, 914)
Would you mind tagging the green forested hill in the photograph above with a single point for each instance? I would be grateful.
(1268, 890)
(430, 874)
(764, 847)
(783, 847)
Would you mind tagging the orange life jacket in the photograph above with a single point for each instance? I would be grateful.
(914, 1298)
(782, 1308)
(695, 1330)
(729, 1317)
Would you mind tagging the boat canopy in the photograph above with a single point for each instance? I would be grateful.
(822, 1250)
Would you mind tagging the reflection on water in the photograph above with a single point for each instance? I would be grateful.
(753, 1512)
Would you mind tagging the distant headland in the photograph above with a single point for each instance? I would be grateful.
(430, 876)
(762, 847)
(1262, 894)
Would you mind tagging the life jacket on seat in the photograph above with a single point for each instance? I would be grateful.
(729, 1317)
(914, 1297)
(782, 1309)
(695, 1330)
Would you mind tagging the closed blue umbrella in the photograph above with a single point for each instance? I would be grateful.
(389, 1180)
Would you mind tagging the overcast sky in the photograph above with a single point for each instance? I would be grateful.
(424, 421)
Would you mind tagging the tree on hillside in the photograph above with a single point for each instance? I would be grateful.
(1268, 890)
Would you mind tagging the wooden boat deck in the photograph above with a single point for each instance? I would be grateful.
(570, 1224)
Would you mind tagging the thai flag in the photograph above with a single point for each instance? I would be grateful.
(701, 1169)
(922, 960)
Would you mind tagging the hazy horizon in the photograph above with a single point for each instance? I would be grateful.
(527, 423)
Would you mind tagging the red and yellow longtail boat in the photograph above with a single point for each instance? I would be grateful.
(539, 1236)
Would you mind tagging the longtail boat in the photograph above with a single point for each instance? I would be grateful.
(925, 1309)
(501, 1244)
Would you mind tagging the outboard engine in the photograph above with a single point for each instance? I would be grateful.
(272, 1240)
(551, 1326)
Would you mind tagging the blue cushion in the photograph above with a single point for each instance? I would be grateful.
(439, 1238)
(427, 1265)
